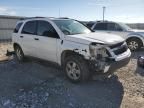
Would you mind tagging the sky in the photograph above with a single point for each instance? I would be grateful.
(129, 11)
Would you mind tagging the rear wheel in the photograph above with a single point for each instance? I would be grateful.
(19, 54)
(76, 69)
(134, 44)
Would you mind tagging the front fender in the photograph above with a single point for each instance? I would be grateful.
(141, 37)
(82, 49)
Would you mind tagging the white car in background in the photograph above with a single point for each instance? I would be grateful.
(134, 38)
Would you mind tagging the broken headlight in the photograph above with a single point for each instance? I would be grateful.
(97, 50)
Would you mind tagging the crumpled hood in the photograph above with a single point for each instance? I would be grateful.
(104, 38)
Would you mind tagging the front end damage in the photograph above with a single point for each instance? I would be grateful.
(105, 59)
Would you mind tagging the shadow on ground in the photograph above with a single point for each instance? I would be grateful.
(27, 83)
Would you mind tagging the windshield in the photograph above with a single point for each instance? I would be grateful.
(71, 27)
(126, 27)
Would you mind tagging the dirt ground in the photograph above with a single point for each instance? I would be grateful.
(39, 84)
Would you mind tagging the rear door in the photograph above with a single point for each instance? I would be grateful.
(46, 41)
(27, 38)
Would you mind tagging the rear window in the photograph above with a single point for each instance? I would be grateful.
(17, 27)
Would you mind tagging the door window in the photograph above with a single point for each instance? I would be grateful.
(111, 27)
(101, 26)
(114, 27)
(46, 29)
(29, 27)
(17, 27)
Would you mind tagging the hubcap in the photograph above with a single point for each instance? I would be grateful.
(133, 45)
(73, 70)
(19, 54)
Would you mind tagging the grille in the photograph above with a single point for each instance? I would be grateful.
(116, 45)
(121, 50)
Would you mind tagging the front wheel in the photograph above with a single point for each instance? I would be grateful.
(19, 54)
(76, 69)
(134, 44)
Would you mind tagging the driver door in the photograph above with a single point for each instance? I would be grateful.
(46, 41)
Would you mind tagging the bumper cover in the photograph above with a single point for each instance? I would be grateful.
(112, 64)
(118, 64)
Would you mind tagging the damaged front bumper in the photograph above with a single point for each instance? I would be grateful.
(111, 64)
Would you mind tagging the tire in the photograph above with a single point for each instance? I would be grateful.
(134, 44)
(19, 54)
(76, 69)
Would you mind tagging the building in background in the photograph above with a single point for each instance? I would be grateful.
(7, 25)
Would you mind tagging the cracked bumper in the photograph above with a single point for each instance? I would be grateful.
(112, 64)
(120, 61)
(118, 64)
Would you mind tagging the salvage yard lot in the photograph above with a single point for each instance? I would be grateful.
(39, 84)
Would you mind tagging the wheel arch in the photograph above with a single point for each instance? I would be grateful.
(67, 53)
(15, 44)
(136, 37)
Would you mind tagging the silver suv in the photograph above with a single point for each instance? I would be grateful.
(134, 38)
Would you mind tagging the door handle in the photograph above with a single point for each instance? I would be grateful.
(21, 36)
(36, 38)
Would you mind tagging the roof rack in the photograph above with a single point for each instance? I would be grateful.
(102, 21)
(43, 17)
(31, 17)
(64, 18)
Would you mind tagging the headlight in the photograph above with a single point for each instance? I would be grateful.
(92, 49)
(97, 49)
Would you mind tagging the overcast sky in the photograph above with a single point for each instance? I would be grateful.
(131, 11)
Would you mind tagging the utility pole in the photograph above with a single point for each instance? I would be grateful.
(104, 12)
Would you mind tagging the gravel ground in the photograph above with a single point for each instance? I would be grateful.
(39, 84)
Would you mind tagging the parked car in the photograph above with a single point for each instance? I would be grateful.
(134, 38)
(81, 52)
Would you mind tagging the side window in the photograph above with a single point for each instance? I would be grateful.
(100, 26)
(114, 27)
(29, 27)
(17, 27)
(46, 29)
(118, 28)
(111, 26)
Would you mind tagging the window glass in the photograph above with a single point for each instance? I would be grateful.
(111, 26)
(71, 27)
(46, 29)
(17, 27)
(101, 26)
(114, 27)
(118, 28)
(29, 27)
